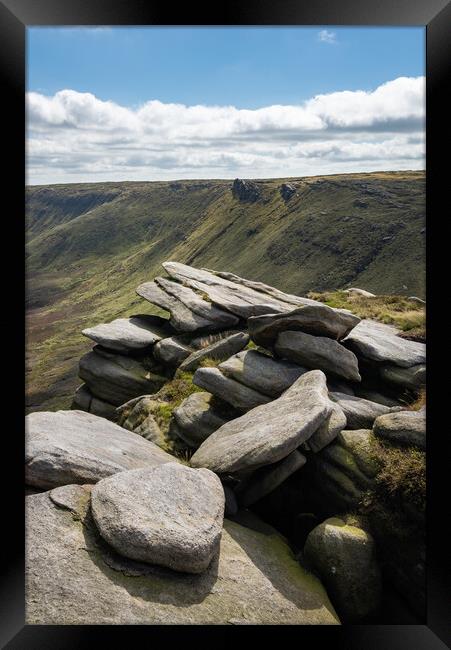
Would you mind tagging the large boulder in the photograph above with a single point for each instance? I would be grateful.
(318, 319)
(413, 377)
(170, 515)
(379, 342)
(329, 430)
(217, 351)
(343, 555)
(269, 432)
(254, 579)
(245, 191)
(361, 413)
(197, 418)
(115, 378)
(405, 427)
(133, 334)
(172, 350)
(238, 395)
(318, 352)
(65, 447)
(261, 372)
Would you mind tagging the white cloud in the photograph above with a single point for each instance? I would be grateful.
(76, 137)
(325, 36)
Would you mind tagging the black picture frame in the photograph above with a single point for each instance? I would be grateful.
(15, 16)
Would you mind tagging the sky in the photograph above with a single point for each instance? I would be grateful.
(152, 103)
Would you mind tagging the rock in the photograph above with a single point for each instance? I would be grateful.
(136, 333)
(379, 342)
(231, 505)
(172, 350)
(269, 432)
(374, 396)
(115, 378)
(420, 301)
(413, 377)
(318, 352)
(360, 413)
(287, 190)
(336, 386)
(231, 391)
(170, 515)
(329, 430)
(261, 372)
(319, 320)
(245, 191)
(344, 557)
(197, 418)
(255, 579)
(261, 287)
(189, 312)
(266, 479)
(84, 400)
(360, 292)
(405, 427)
(218, 350)
(235, 298)
(66, 447)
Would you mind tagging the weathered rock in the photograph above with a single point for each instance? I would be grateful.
(266, 479)
(379, 342)
(231, 391)
(360, 413)
(255, 579)
(413, 377)
(287, 191)
(169, 515)
(65, 447)
(373, 396)
(245, 191)
(338, 386)
(318, 319)
(197, 418)
(344, 557)
(269, 432)
(218, 350)
(172, 350)
(416, 299)
(231, 504)
(189, 312)
(405, 427)
(329, 430)
(318, 352)
(136, 333)
(115, 378)
(360, 292)
(84, 400)
(261, 372)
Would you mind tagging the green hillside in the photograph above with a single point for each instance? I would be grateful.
(90, 245)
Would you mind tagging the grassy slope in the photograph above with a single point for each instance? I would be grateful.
(90, 245)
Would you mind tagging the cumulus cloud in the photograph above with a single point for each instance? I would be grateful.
(75, 137)
(325, 36)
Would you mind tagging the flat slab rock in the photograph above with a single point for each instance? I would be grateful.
(261, 372)
(66, 447)
(218, 350)
(170, 515)
(129, 334)
(233, 392)
(318, 352)
(379, 342)
(197, 418)
(269, 432)
(405, 427)
(319, 320)
(254, 579)
(360, 413)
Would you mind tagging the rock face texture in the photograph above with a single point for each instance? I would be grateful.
(344, 556)
(129, 334)
(318, 352)
(254, 578)
(245, 191)
(361, 413)
(318, 319)
(269, 432)
(217, 351)
(238, 395)
(197, 418)
(169, 515)
(77, 447)
(405, 427)
(287, 190)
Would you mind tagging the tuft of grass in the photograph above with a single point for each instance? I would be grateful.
(209, 362)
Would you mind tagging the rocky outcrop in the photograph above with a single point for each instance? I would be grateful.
(267, 479)
(169, 515)
(84, 400)
(197, 418)
(360, 292)
(136, 333)
(245, 191)
(287, 190)
(235, 393)
(361, 413)
(217, 351)
(405, 427)
(254, 578)
(76, 447)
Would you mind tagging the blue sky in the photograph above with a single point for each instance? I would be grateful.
(128, 80)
